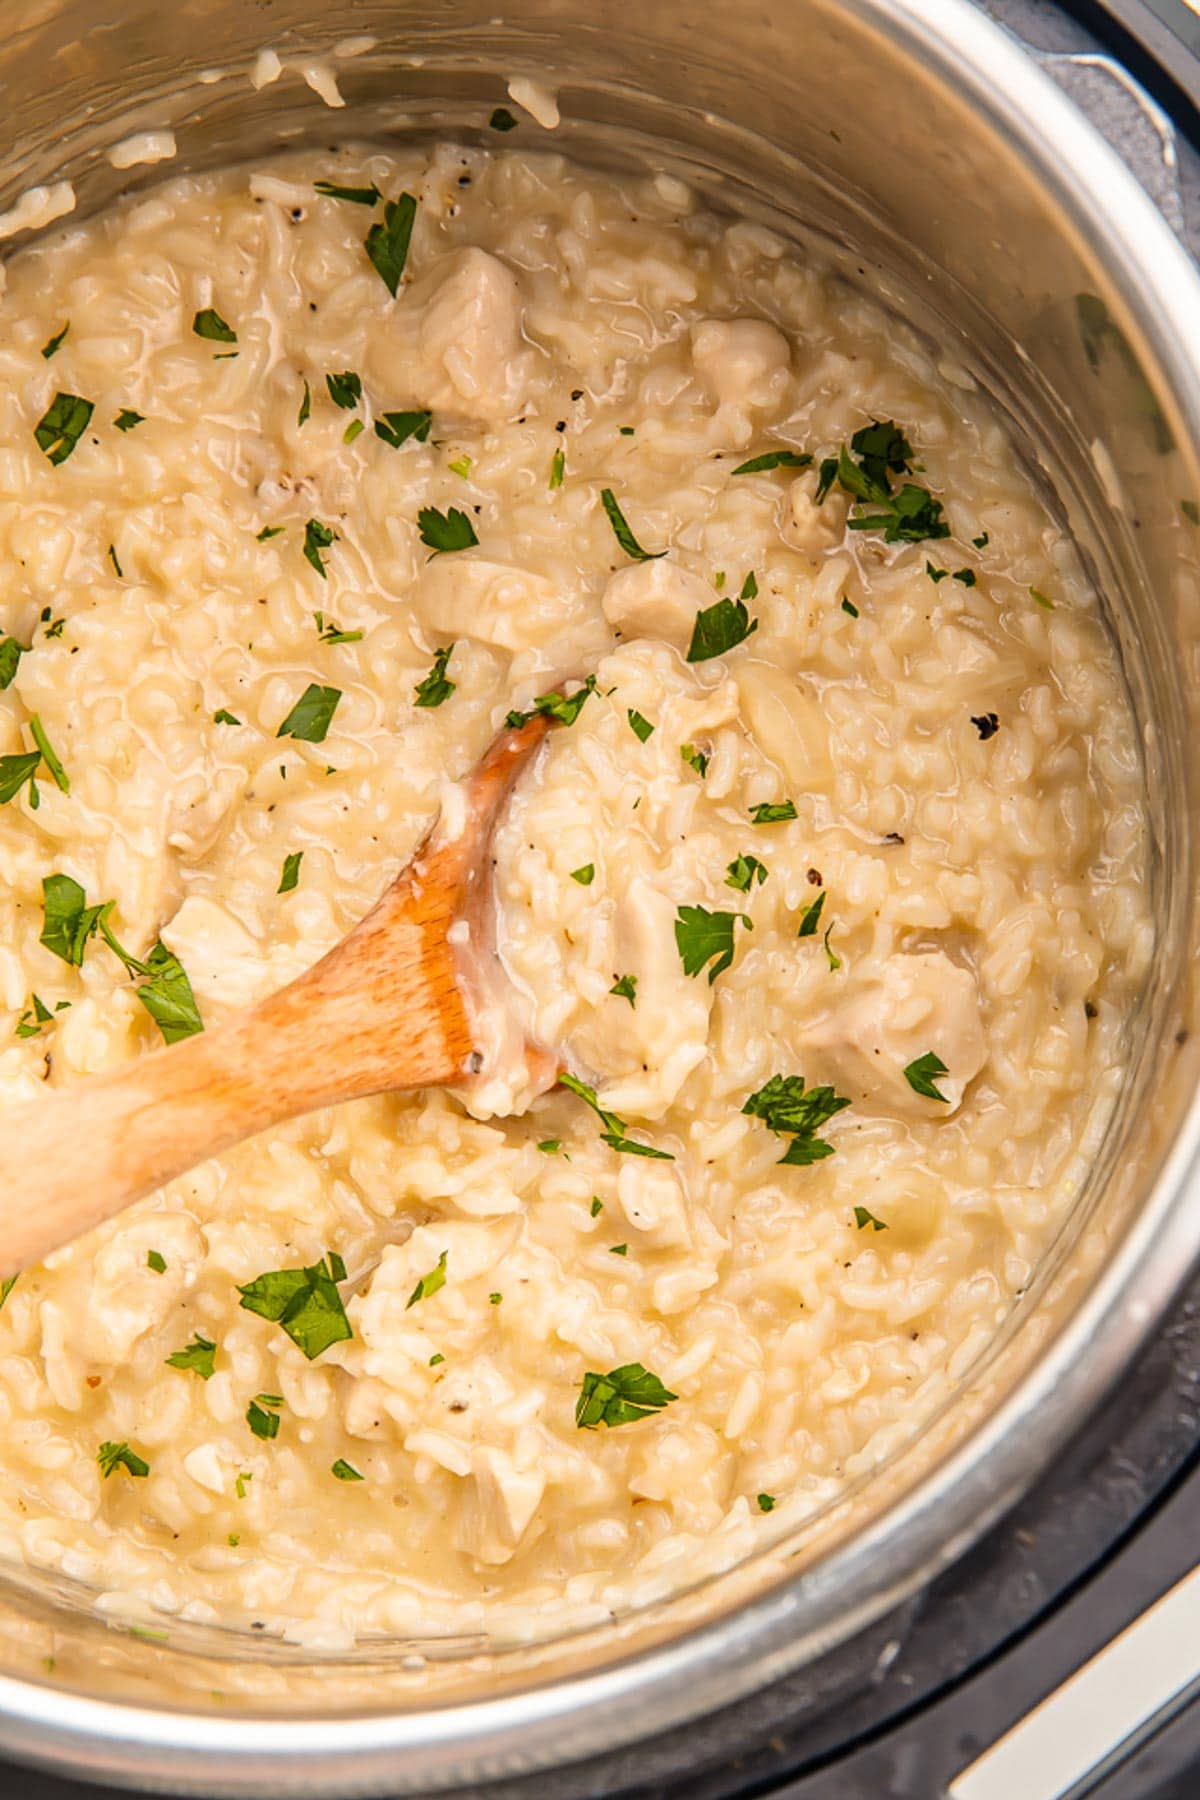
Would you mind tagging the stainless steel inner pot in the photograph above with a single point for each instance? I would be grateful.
(921, 148)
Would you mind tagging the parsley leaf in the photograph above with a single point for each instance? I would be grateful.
(344, 1471)
(883, 451)
(199, 1357)
(640, 726)
(705, 937)
(69, 921)
(331, 633)
(112, 1456)
(618, 1249)
(291, 872)
(450, 530)
(435, 688)
(55, 343)
(621, 531)
(786, 1107)
(57, 772)
(695, 759)
(345, 390)
(224, 717)
(772, 812)
(360, 196)
(261, 1416)
(317, 537)
(550, 1146)
(62, 425)
(921, 1073)
(502, 120)
(614, 1133)
(766, 1502)
(848, 606)
(1041, 599)
(773, 459)
(268, 532)
(6, 1288)
(387, 243)
(584, 875)
(719, 628)
(209, 324)
(621, 1397)
(430, 1283)
(461, 466)
(10, 656)
(395, 428)
(625, 988)
(810, 918)
(127, 419)
(304, 1301)
(33, 1018)
(743, 872)
(166, 993)
(863, 1218)
(305, 412)
(15, 771)
(558, 468)
(157, 1261)
(312, 715)
(566, 708)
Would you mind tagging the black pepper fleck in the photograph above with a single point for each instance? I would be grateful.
(987, 725)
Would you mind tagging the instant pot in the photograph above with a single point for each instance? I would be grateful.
(1017, 180)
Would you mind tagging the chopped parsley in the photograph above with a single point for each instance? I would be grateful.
(597, 1206)
(359, 196)
(387, 243)
(981, 542)
(695, 759)
(495, 1299)
(558, 468)
(502, 120)
(304, 1301)
(810, 918)
(639, 724)
(966, 576)
(354, 429)
(986, 724)
(345, 390)
(618, 1249)
(430, 1283)
(863, 1219)
(772, 812)
(6, 1288)
(166, 993)
(10, 657)
(241, 1483)
(443, 531)
(1041, 599)
(344, 1471)
(395, 428)
(625, 988)
(62, 425)
(209, 324)
(69, 922)
(127, 419)
(550, 1146)
(15, 771)
(934, 573)
(317, 537)
(621, 1397)
(305, 412)
(766, 1502)
(33, 1018)
(920, 1076)
(461, 466)
(705, 939)
(330, 632)
(848, 606)
(910, 514)
(54, 344)
(831, 957)
(268, 532)
(435, 688)
(262, 1415)
(112, 1456)
(621, 531)
(719, 628)
(614, 1132)
(773, 459)
(585, 874)
(312, 715)
(223, 716)
(789, 1109)
(743, 872)
(54, 627)
(566, 708)
(157, 1261)
(57, 772)
(291, 872)
(199, 1357)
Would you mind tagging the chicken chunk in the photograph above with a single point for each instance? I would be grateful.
(741, 363)
(496, 603)
(913, 1005)
(454, 341)
(499, 1502)
(655, 600)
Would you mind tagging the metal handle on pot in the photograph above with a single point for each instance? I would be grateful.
(1099, 1716)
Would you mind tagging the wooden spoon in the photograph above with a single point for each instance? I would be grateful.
(385, 1009)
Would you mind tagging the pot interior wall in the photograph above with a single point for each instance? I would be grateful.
(815, 117)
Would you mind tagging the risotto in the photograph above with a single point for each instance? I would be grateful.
(826, 886)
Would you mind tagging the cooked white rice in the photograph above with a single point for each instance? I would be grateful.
(983, 886)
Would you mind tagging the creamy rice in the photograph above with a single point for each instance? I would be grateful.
(956, 750)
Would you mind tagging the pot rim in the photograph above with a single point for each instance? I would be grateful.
(711, 1665)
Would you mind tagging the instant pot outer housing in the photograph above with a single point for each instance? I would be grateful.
(914, 143)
